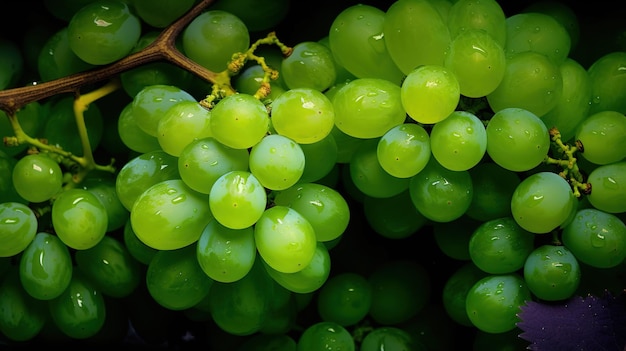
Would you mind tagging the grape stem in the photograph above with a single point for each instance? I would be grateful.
(567, 162)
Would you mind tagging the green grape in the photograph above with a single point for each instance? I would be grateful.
(493, 190)
(175, 279)
(326, 336)
(477, 60)
(341, 73)
(45, 267)
(607, 83)
(415, 34)
(596, 238)
(517, 139)
(204, 160)
(563, 13)
(603, 136)
(226, 255)
(79, 312)
(368, 107)
(150, 104)
(182, 123)
(64, 9)
(453, 237)
(160, 14)
(345, 299)
(19, 227)
(357, 42)
(7, 189)
(470, 15)
(543, 202)
(22, 317)
(400, 289)
(11, 64)
(136, 248)
(531, 81)
(237, 199)
(269, 342)
(459, 142)
(310, 65)
(320, 159)
(500, 246)
(390, 338)
(552, 272)
(110, 267)
(143, 171)
(404, 150)
(241, 307)
(282, 313)
(575, 102)
(346, 145)
(277, 162)
(303, 114)
(37, 177)
(169, 215)
(440, 194)
(285, 239)
(104, 189)
(250, 80)
(537, 32)
(31, 120)
(322, 206)
(310, 278)
(456, 288)
(257, 15)
(79, 218)
(430, 93)
(393, 217)
(213, 37)
(368, 175)
(153, 73)
(56, 59)
(61, 130)
(493, 302)
(239, 121)
(131, 135)
(609, 187)
(103, 31)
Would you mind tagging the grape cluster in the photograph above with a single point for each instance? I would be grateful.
(406, 180)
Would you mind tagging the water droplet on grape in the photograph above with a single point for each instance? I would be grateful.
(179, 199)
(610, 183)
(598, 240)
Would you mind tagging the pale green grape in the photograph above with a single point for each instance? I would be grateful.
(459, 142)
(608, 187)
(277, 162)
(430, 93)
(226, 255)
(357, 42)
(440, 194)
(368, 107)
(542, 202)
(415, 34)
(310, 278)
(169, 215)
(79, 218)
(517, 139)
(531, 81)
(37, 177)
(323, 207)
(239, 121)
(45, 267)
(285, 239)
(469, 15)
(537, 32)
(608, 86)
(477, 60)
(603, 136)
(310, 65)
(563, 13)
(404, 150)
(151, 102)
(18, 225)
(237, 199)
(182, 123)
(204, 160)
(368, 175)
(303, 114)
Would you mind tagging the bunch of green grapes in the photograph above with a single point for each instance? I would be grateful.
(418, 171)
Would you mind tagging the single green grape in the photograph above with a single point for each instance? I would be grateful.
(37, 177)
(493, 190)
(237, 199)
(345, 299)
(493, 302)
(537, 32)
(607, 83)
(310, 65)
(56, 59)
(239, 121)
(79, 218)
(151, 102)
(609, 187)
(603, 135)
(500, 246)
(456, 288)
(310, 278)
(542, 202)
(393, 217)
(430, 93)
(459, 142)
(277, 162)
(552, 272)
(326, 335)
(175, 279)
(22, 316)
(471, 15)
(45, 267)
(169, 215)
(104, 189)
(181, 124)
(320, 159)
(596, 238)
(131, 135)
(18, 225)
(404, 150)
(563, 13)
